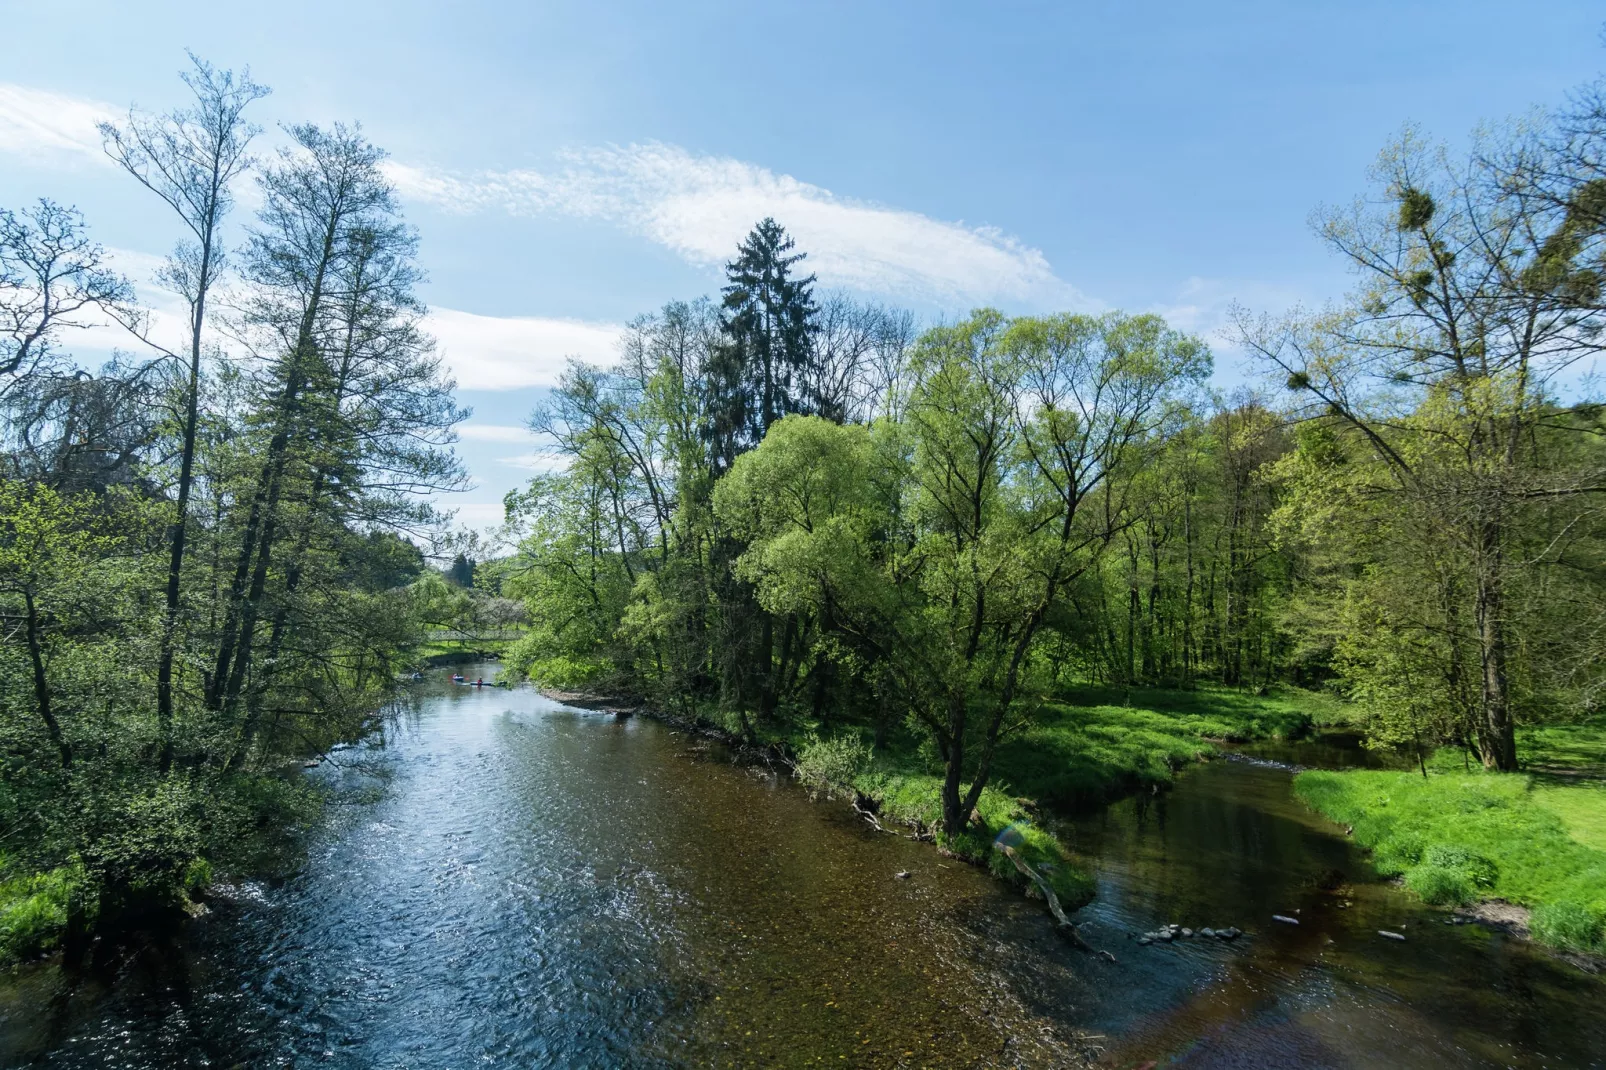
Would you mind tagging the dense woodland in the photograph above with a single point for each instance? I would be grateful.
(782, 506)
(791, 505)
(204, 552)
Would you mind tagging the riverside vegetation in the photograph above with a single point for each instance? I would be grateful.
(957, 572)
(204, 546)
(913, 556)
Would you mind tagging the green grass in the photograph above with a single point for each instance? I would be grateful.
(1581, 807)
(1090, 746)
(1576, 747)
(33, 912)
(1460, 837)
(437, 651)
(914, 798)
(1098, 743)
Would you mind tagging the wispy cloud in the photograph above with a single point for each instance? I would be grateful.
(495, 433)
(45, 127)
(698, 206)
(508, 352)
(701, 206)
(538, 461)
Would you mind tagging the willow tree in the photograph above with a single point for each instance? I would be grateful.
(942, 544)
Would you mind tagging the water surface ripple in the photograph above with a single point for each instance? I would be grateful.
(504, 881)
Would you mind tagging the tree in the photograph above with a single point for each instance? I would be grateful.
(327, 209)
(52, 278)
(761, 372)
(189, 158)
(1477, 296)
(461, 573)
(1018, 453)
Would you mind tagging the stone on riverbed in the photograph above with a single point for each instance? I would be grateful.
(1207, 931)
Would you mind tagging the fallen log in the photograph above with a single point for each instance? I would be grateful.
(1067, 927)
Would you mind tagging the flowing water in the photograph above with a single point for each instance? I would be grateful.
(503, 881)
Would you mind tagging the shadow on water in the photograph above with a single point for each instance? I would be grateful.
(505, 881)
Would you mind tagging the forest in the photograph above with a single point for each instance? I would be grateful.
(205, 551)
(947, 570)
(929, 562)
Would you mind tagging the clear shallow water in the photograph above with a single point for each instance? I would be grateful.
(1231, 846)
(508, 882)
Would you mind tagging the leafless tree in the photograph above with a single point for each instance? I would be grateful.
(52, 278)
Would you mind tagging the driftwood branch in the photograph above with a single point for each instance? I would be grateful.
(865, 811)
(1067, 927)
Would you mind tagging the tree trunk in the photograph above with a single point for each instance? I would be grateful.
(1499, 735)
(178, 532)
(954, 819)
(41, 684)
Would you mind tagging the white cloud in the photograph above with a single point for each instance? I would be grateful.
(495, 433)
(507, 352)
(477, 514)
(537, 461)
(697, 206)
(46, 127)
(701, 206)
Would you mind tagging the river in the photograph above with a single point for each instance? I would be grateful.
(504, 881)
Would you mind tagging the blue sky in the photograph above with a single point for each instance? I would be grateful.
(571, 166)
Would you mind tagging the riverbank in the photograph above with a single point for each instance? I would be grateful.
(1535, 841)
(1089, 746)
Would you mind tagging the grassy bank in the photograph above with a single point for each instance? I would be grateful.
(1096, 744)
(1089, 746)
(454, 651)
(1537, 839)
(33, 910)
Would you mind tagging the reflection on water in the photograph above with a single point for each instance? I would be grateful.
(539, 886)
(542, 886)
(1231, 846)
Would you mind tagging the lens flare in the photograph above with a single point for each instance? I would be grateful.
(1011, 835)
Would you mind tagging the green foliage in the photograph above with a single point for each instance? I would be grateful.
(831, 764)
(1440, 885)
(1570, 924)
(559, 670)
(34, 911)
(1461, 837)
(203, 568)
(1416, 208)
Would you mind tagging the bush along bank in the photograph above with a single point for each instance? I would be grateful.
(127, 859)
(1458, 838)
(888, 792)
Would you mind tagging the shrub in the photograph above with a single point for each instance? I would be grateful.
(1396, 855)
(1440, 885)
(564, 672)
(830, 765)
(1570, 924)
(33, 911)
(1478, 870)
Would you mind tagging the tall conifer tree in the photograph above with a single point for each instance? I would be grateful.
(760, 373)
